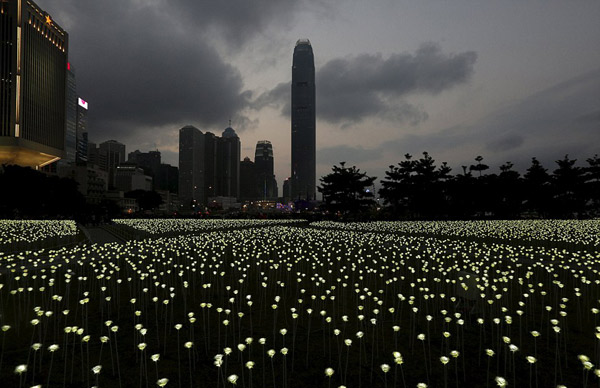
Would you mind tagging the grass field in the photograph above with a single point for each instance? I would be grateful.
(325, 305)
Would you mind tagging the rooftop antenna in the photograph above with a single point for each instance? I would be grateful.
(230, 122)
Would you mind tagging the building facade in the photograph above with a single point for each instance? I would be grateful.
(264, 164)
(211, 142)
(248, 181)
(94, 157)
(129, 178)
(191, 168)
(228, 164)
(209, 167)
(149, 161)
(82, 131)
(33, 85)
(168, 178)
(111, 154)
(71, 118)
(303, 122)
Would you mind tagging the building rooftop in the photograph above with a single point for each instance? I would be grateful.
(229, 132)
(303, 42)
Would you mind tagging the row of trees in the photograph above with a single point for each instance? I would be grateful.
(420, 189)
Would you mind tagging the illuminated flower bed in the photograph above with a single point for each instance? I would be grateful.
(284, 306)
(585, 232)
(174, 226)
(12, 231)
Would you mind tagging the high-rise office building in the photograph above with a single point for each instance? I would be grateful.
(149, 161)
(95, 158)
(112, 154)
(191, 167)
(76, 134)
(249, 187)
(168, 178)
(228, 164)
(209, 167)
(33, 86)
(71, 118)
(263, 161)
(303, 122)
(82, 132)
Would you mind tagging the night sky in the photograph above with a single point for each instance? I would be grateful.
(507, 80)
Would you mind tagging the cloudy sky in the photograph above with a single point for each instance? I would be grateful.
(507, 79)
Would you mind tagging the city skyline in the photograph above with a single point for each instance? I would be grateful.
(505, 81)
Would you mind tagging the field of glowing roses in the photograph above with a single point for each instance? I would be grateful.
(297, 306)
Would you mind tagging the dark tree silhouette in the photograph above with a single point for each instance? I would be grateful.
(417, 189)
(537, 189)
(479, 166)
(429, 187)
(397, 189)
(483, 190)
(568, 182)
(461, 192)
(27, 193)
(592, 185)
(509, 193)
(346, 190)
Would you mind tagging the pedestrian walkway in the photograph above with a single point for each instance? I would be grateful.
(99, 235)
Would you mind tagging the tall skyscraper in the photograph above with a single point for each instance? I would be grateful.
(71, 118)
(263, 161)
(33, 86)
(248, 180)
(228, 167)
(76, 133)
(191, 167)
(303, 122)
(82, 132)
(210, 165)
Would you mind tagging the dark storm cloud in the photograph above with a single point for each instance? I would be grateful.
(279, 98)
(556, 121)
(237, 21)
(593, 117)
(505, 143)
(555, 118)
(354, 88)
(143, 65)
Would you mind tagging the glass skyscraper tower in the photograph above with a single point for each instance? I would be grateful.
(303, 122)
